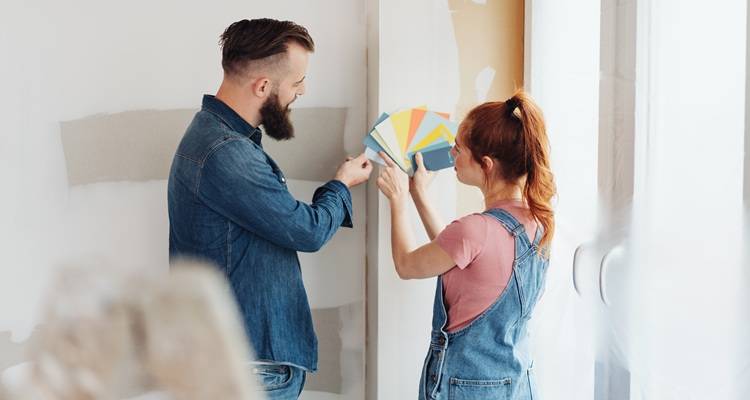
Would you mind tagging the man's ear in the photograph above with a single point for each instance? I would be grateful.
(261, 87)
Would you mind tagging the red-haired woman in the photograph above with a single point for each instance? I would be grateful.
(490, 266)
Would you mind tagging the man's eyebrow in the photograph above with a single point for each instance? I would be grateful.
(300, 81)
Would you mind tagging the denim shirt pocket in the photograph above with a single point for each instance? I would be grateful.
(276, 170)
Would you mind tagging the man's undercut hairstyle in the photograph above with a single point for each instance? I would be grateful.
(259, 44)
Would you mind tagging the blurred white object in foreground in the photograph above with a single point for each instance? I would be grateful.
(110, 336)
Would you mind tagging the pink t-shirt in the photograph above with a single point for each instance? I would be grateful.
(483, 251)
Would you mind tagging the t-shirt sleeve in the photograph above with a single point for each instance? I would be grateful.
(464, 239)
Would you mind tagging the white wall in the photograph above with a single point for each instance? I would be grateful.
(413, 61)
(746, 190)
(69, 60)
(562, 75)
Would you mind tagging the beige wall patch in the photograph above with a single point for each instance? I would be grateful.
(139, 145)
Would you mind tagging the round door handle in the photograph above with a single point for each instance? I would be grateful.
(603, 268)
(576, 255)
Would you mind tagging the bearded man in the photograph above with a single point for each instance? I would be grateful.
(229, 203)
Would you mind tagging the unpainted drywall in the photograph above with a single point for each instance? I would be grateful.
(333, 354)
(490, 43)
(317, 149)
(139, 145)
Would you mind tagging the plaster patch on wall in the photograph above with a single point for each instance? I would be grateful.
(483, 82)
(490, 43)
(333, 349)
(317, 149)
(123, 225)
(127, 146)
(139, 145)
(488, 35)
(328, 326)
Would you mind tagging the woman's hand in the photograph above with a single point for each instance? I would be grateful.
(422, 178)
(393, 182)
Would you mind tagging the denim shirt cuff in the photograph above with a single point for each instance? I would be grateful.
(343, 192)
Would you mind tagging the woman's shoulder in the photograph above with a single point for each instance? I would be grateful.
(473, 219)
(464, 239)
(520, 213)
(472, 226)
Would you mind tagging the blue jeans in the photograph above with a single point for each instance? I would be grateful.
(279, 382)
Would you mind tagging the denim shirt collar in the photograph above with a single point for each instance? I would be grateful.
(231, 118)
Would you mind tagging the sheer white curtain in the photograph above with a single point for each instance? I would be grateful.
(675, 320)
(686, 274)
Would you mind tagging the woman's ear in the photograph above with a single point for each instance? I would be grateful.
(488, 164)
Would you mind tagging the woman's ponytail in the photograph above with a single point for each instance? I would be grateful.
(513, 133)
(540, 184)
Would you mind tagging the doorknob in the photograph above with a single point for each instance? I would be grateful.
(576, 255)
(603, 268)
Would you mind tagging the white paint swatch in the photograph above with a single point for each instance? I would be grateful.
(483, 82)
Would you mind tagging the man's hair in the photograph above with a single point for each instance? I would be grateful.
(259, 43)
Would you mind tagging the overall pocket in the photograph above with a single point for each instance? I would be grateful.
(467, 389)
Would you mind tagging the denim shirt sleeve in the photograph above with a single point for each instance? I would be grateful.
(238, 182)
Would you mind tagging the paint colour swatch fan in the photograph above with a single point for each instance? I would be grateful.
(404, 133)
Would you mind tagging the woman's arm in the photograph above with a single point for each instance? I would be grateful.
(418, 186)
(431, 220)
(425, 262)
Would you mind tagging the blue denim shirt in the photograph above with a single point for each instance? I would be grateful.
(229, 204)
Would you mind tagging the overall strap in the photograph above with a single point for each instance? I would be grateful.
(511, 224)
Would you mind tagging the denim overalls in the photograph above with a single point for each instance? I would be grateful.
(490, 358)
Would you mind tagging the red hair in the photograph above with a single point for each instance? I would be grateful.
(513, 134)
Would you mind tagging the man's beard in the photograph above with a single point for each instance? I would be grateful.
(275, 119)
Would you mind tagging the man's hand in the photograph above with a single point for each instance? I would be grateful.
(354, 171)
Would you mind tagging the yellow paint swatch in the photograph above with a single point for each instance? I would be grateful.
(431, 137)
(401, 121)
